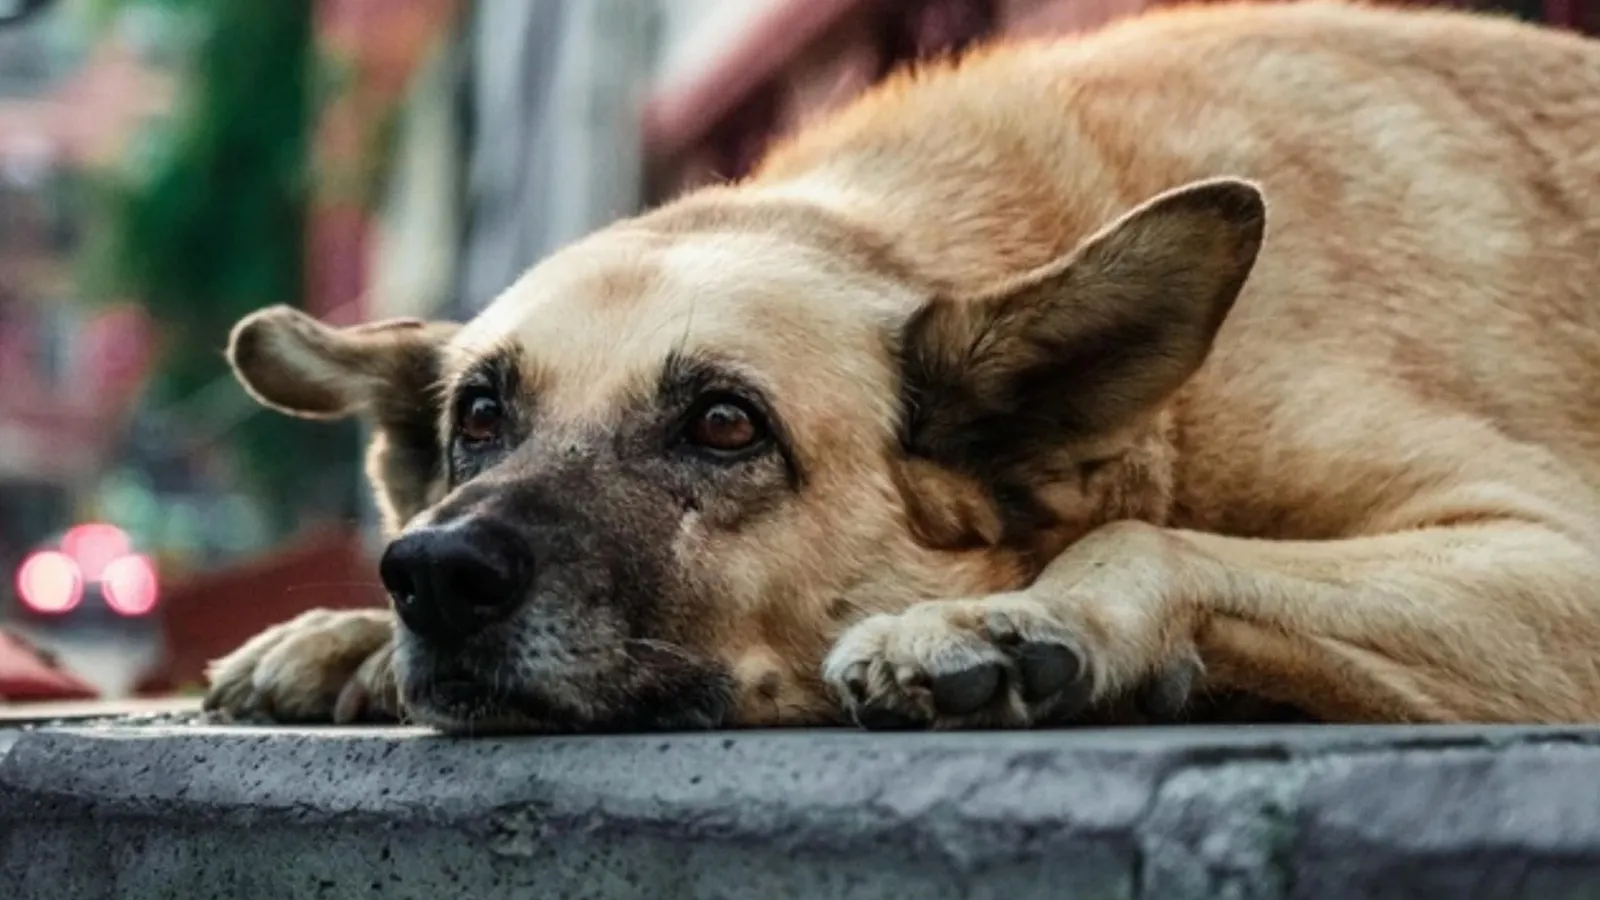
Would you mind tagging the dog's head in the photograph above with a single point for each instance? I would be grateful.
(651, 483)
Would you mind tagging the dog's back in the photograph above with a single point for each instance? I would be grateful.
(1433, 249)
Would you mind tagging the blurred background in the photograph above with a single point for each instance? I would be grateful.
(167, 166)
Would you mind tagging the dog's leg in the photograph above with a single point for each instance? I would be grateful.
(1488, 621)
(322, 666)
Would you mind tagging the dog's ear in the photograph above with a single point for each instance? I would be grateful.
(294, 364)
(386, 372)
(1085, 345)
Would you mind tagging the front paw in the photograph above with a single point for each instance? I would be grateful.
(322, 666)
(1006, 661)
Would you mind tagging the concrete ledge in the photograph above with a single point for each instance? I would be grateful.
(120, 810)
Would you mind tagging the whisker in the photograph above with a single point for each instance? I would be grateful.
(656, 646)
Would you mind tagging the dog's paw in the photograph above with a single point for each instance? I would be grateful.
(322, 666)
(1006, 661)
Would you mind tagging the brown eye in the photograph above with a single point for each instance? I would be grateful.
(726, 427)
(481, 420)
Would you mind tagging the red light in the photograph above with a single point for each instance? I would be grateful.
(129, 585)
(50, 582)
(94, 545)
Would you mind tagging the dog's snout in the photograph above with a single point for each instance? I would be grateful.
(449, 582)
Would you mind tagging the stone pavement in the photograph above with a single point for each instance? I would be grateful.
(104, 810)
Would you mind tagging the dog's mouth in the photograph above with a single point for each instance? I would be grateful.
(657, 690)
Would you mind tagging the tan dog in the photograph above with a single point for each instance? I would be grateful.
(956, 413)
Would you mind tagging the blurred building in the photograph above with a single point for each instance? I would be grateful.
(551, 93)
(69, 372)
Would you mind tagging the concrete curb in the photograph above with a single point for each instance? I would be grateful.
(115, 810)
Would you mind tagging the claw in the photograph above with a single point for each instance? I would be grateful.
(880, 717)
(855, 679)
(1164, 698)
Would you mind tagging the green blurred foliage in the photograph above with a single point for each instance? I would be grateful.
(207, 223)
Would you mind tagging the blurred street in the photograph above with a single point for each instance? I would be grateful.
(110, 657)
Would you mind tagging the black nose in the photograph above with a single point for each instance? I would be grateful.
(449, 582)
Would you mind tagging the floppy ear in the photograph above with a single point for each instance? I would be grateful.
(385, 372)
(294, 364)
(1087, 344)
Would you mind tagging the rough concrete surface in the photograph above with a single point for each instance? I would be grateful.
(143, 811)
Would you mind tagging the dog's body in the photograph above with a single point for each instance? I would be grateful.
(1009, 489)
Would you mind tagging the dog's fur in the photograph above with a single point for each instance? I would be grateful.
(1035, 450)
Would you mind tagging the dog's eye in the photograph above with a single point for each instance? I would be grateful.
(481, 419)
(726, 425)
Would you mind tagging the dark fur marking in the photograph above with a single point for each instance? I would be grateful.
(500, 375)
(407, 415)
(598, 531)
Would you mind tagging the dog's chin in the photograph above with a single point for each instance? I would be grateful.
(464, 707)
(646, 697)
(469, 709)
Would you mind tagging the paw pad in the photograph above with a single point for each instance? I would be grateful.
(1046, 669)
(968, 691)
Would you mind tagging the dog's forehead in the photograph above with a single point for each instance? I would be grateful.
(597, 321)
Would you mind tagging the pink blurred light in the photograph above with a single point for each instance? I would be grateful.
(50, 582)
(94, 545)
(129, 585)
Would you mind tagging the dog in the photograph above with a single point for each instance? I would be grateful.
(1241, 350)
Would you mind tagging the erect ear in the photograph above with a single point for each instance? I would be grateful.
(386, 372)
(1085, 345)
(299, 366)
